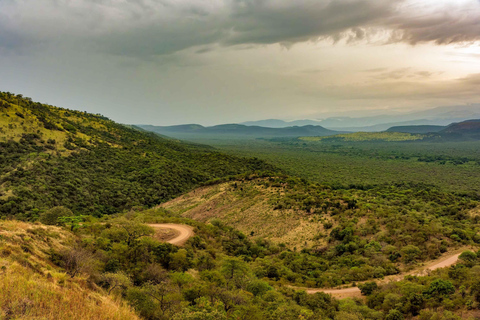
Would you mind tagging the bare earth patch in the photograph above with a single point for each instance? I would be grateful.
(176, 234)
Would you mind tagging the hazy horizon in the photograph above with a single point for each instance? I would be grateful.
(229, 61)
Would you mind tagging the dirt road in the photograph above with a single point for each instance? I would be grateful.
(182, 232)
(351, 292)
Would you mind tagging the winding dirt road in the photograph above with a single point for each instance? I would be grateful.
(183, 232)
(352, 292)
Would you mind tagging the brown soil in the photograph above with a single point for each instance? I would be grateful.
(176, 234)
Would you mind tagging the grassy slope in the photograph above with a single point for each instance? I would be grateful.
(312, 217)
(248, 208)
(33, 288)
(52, 156)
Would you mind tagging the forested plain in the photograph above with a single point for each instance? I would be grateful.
(449, 165)
(382, 208)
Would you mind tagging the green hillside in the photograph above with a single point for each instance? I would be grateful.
(340, 230)
(51, 156)
(368, 136)
(416, 129)
(195, 132)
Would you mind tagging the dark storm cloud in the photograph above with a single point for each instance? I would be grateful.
(267, 22)
(450, 23)
(155, 27)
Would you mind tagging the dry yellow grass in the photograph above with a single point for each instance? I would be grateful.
(32, 288)
(28, 295)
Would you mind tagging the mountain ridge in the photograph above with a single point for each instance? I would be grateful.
(190, 131)
(435, 116)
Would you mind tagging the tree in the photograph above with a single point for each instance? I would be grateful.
(117, 280)
(410, 253)
(179, 260)
(53, 216)
(368, 288)
(74, 222)
(234, 267)
(163, 294)
(134, 230)
(258, 287)
(440, 288)
(394, 314)
(203, 309)
(468, 257)
(78, 260)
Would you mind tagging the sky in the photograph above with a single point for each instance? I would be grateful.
(166, 62)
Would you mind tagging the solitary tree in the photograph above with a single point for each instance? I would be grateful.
(118, 280)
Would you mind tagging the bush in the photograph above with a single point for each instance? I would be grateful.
(368, 288)
(411, 253)
(468, 257)
(394, 314)
(440, 288)
(258, 287)
(52, 216)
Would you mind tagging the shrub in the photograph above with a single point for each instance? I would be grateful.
(468, 257)
(368, 288)
(52, 216)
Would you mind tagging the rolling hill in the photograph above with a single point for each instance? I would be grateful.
(338, 224)
(468, 128)
(416, 129)
(51, 156)
(236, 131)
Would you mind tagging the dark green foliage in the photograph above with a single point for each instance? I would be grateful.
(449, 166)
(53, 216)
(116, 169)
(440, 288)
(258, 287)
(161, 287)
(368, 288)
(394, 314)
(468, 257)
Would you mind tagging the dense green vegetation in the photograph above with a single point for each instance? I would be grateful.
(445, 294)
(360, 234)
(368, 136)
(450, 166)
(212, 277)
(221, 274)
(52, 156)
(381, 208)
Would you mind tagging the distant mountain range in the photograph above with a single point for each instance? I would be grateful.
(416, 129)
(465, 130)
(469, 128)
(440, 116)
(229, 131)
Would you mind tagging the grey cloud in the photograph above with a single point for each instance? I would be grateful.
(444, 26)
(268, 22)
(149, 27)
(157, 27)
